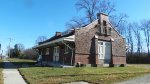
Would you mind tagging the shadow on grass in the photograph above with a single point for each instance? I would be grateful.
(15, 65)
(1, 64)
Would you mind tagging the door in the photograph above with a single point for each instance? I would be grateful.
(104, 51)
(107, 50)
(56, 54)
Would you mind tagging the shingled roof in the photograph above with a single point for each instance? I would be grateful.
(69, 33)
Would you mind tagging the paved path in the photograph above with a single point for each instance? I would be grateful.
(77, 83)
(145, 79)
(11, 75)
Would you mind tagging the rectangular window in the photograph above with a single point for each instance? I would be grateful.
(47, 51)
(104, 27)
(109, 30)
(66, 49)
(102, 30)
(104, 23)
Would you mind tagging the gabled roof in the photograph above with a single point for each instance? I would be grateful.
(70, 34)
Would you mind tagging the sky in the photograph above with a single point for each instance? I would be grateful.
(25, 20)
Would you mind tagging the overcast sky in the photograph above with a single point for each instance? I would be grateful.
(25, 20)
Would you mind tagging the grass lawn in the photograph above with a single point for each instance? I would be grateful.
(21, 62)
(49, 75)
(1, 74)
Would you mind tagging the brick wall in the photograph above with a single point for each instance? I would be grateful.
(119, 59)
(86, 50)
(85, 44)
(66, 57)
(63, 57)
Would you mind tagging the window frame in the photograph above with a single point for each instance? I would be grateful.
(109, 31)
(66, 50)
(47, 51)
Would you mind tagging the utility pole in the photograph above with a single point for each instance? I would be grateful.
(2, 54)
(10, 39)
(0, 46)
(0, 51)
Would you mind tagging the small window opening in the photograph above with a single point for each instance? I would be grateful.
(104, 26)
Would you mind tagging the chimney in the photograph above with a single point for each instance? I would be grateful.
(58, 34)
(102, 17)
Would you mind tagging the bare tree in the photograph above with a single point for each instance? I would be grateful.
(119, 22)
(145, 26)
(75, 23)
(20, 47)
(137, 32)
(40, 39)
(129, 38)
(106, 6)
(91, 8)
(30, 53)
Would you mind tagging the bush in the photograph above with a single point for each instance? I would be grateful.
(138, 59)
(22, 56)
(31, 54)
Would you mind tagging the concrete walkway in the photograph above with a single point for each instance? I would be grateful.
(145, 79)
(11, 75)
(77, 83)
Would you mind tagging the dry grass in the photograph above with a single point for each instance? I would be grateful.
(51, 75)
(47, 75)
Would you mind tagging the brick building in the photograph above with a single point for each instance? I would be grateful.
(96, 44)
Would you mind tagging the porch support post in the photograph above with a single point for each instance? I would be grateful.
(71, 51)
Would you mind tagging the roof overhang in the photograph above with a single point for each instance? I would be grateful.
(69, 39)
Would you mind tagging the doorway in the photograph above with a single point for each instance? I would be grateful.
(56, 54)
(104, 52)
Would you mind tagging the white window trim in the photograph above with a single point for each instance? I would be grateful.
(56, 50)
(100, 57)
